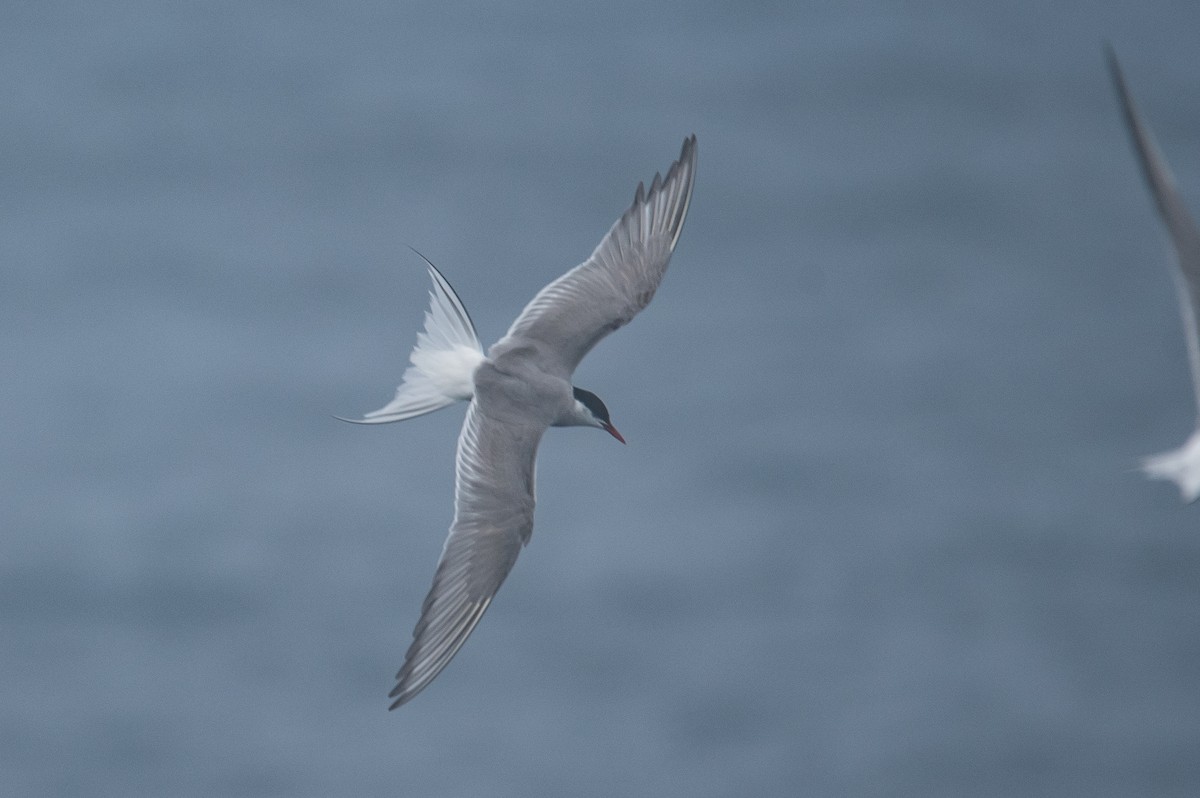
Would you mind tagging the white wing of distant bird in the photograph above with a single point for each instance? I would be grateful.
(1181, 466)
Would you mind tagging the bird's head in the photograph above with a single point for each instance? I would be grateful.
(589, 411)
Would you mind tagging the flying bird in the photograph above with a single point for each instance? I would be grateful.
(1182, 465)
(518, 389)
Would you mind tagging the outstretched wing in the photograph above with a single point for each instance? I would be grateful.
(493, 519)
(1184, 236)
(570, 315)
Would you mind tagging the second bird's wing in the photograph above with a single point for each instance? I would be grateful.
(1185, 239)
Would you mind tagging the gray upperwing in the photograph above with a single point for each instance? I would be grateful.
(1185, 238)
(570, 315)
(493, 519)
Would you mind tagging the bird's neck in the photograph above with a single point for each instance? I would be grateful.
(576, 415)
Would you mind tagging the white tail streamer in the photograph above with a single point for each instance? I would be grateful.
(443, 362)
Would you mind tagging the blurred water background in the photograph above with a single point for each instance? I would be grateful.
(877, 530)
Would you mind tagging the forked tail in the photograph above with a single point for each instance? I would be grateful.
(1181, 466)
(442, 364)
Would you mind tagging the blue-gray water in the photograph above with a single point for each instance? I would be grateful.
(876, 531)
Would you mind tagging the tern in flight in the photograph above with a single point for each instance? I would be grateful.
(518, 389)
(1181, 466)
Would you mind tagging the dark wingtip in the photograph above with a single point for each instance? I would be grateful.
(688, 150)
(1114, 67)
(403, 699)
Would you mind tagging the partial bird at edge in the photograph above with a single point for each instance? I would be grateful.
(1182, 465)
